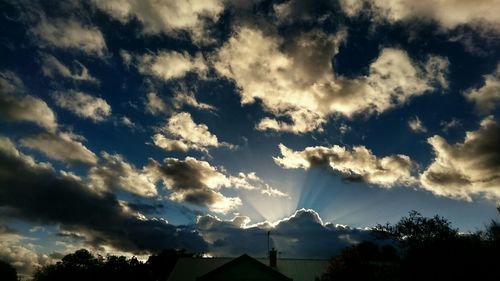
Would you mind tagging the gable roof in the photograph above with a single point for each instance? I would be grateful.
(188, 269)
(255, 267)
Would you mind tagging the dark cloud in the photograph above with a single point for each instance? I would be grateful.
(145, 208)
(196, 182)
(303, 234)
(33, 192)
(466, 169)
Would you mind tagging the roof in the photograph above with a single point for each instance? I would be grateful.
(188, 269)
(244, 267)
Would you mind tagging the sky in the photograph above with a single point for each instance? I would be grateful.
(128, 126)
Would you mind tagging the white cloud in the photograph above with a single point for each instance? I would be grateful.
(351, 7)
(357, 164)
(126, 57)
(453, 123)
(251, 181)
(296, 80)
(467, 169)
(127, 122)
(171, 65)
(70, 34)
(114, 172)
(15, 106)
(155, 105)
(487, 96)
(416, 125)
(65, 147)
(22, 255)
(83, 105)
(187, 98)
(7, 147)
(51, 67)
(169, 17)
(447, 13)
(182, 134)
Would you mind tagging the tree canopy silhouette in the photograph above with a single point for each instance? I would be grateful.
(429, 249)
(7, 272)
(83, 266)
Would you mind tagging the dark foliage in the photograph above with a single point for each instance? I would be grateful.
(7, 272)
(365, 261)
(82, 265)
(429, 249)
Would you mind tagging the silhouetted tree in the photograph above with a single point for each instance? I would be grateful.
(492, 232)
(83, 266)
(430, 249)
(80, 265)
(415, 230)
(7, 272)
(162, 264)
(365, 261)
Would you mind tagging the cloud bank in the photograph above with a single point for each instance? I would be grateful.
(295, 80)
(357, 164)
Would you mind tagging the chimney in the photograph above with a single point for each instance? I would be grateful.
(273, 256)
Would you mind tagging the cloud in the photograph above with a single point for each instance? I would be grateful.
(83, 105)
(15, 106)
(155, 105)
(453, 123)
(448, 14)
(187, 98)
(64, 147)
(351, 7)
(114, 172)
(416, 125)
(303, 235)
(487, 96)
(182, 134)
(294, 79)
(124, 120)
(33, 192)
(70, 34)
(171, 65)
(18, 251)
(52, 67)
(303, 10)
(196, 182)
(251, 181)
(467, 169)
(199, 183)
(168, 17)
(357, 164)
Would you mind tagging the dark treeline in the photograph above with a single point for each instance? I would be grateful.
(84, 266)
(424, 249)
(419, 248)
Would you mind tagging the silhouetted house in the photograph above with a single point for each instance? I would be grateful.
(247, 268)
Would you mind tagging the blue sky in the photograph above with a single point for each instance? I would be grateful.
(193, 124)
